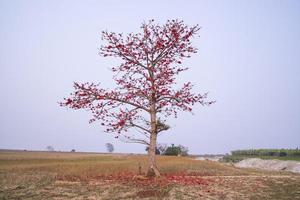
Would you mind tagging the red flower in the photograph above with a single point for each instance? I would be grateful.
(69, 101)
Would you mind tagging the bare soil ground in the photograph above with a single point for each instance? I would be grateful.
(42, 175)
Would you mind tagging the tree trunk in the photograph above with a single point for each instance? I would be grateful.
(152, 168)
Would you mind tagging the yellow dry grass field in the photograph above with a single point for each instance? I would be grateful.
(58, 175)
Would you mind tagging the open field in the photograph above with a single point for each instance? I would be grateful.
(52, 175)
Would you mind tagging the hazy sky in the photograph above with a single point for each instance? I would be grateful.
(248, 59)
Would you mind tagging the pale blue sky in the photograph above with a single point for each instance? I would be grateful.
(249, 61)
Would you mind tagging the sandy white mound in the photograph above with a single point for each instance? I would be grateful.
(292, 166)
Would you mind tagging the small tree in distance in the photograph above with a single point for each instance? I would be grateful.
(50, 148)
(109, 147)
(146, 94)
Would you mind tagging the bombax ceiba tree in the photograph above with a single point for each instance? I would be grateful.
(145, 95)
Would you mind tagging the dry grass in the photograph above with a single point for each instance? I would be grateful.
(94, 165)
(52, 175)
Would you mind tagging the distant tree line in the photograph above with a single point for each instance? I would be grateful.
(172, 150)
(268, 152)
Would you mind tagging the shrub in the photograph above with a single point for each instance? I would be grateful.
(173, 151)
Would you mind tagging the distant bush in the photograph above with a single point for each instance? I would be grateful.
(109, 147)
(50, 148)
(172, 151)
(282, 153)
(176, 150)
